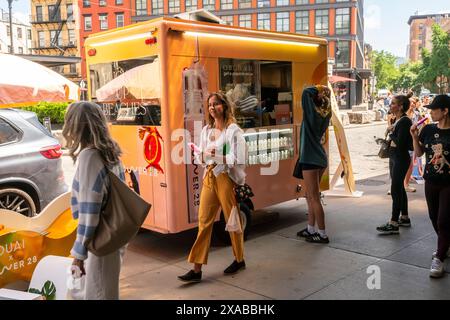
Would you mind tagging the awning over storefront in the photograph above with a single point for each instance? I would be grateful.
(51, 61)
(334, 79)
(363, 73)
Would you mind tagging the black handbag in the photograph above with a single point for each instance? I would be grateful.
(243, 192)
(385, 148)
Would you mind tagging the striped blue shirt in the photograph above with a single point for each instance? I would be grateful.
(89, 193)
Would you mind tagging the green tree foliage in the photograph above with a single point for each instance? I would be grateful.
(408, 77)
(433, 72)
(385, 69)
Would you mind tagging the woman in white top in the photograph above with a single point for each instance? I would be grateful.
(222, 152)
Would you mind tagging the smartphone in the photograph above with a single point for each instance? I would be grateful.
(194, 147)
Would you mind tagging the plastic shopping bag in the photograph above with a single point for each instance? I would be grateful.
(75, 283)
(234, 221)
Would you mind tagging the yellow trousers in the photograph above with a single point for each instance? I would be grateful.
(217, 192)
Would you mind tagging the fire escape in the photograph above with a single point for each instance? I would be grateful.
(56, 17)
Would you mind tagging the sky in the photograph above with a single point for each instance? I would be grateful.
(386, 21)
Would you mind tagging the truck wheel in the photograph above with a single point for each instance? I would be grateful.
(246, 218)
(17, 200)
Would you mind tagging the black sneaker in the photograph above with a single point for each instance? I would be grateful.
(317, 238)
(304, 233)
(404, 222)
(191, 276)
(234, 267)
(388, 229)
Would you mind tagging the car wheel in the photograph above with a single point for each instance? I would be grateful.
(17, 200)
(246, 218)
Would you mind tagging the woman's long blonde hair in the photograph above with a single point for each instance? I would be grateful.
(228, 110)
(85, 125)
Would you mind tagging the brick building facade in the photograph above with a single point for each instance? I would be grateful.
(421, 32)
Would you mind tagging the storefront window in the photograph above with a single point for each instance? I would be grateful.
(260, 90)
(128, 91)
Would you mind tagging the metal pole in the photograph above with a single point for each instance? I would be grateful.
(10, 25)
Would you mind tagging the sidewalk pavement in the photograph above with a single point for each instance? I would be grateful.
(281, 266)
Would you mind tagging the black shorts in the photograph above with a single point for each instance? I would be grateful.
(300, 167)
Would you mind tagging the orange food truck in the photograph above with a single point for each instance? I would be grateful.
(152, 80)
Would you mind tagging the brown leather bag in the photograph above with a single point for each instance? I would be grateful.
(124, 214)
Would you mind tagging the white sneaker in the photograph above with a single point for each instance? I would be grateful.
(410, 189)
(435, 254)
(437, 268)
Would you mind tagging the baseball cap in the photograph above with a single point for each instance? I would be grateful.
(439, 102)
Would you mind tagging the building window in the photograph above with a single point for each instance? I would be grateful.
(174, 6)
(263, 3)
(55, 38)
(70, 12)
(283, 21)
(322, 1)
(302, 2)
(29, 34)
(302, 22)
(39, 15)
(102, 3)
(342, 54)
(282, 3)
(103, 19)
(191, 5)
(227, 19)
(20, 50)
(157, 7)
(9, 49)
(321, 22)
(342, 0)
(119, 2)
(54, 14)
(19, 33)
(226, 4)
(41, 39)
(141, 7)
(245, 20)
(72, 39)
(209, 5)
(343, 21)
(87, 23)
(73, 68)
(86, 3)
(243, 4)
(120, 21)
(264, 21)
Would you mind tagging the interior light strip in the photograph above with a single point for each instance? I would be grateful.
(133, 37)
(226, 36)
(267, 132)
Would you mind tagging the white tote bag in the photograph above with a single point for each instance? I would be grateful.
(234, 221)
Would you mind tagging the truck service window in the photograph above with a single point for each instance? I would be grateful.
(129, 91)
(260, 90)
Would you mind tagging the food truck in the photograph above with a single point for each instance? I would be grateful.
(152, 80)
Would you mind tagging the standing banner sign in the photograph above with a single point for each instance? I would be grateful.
(195, 90)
